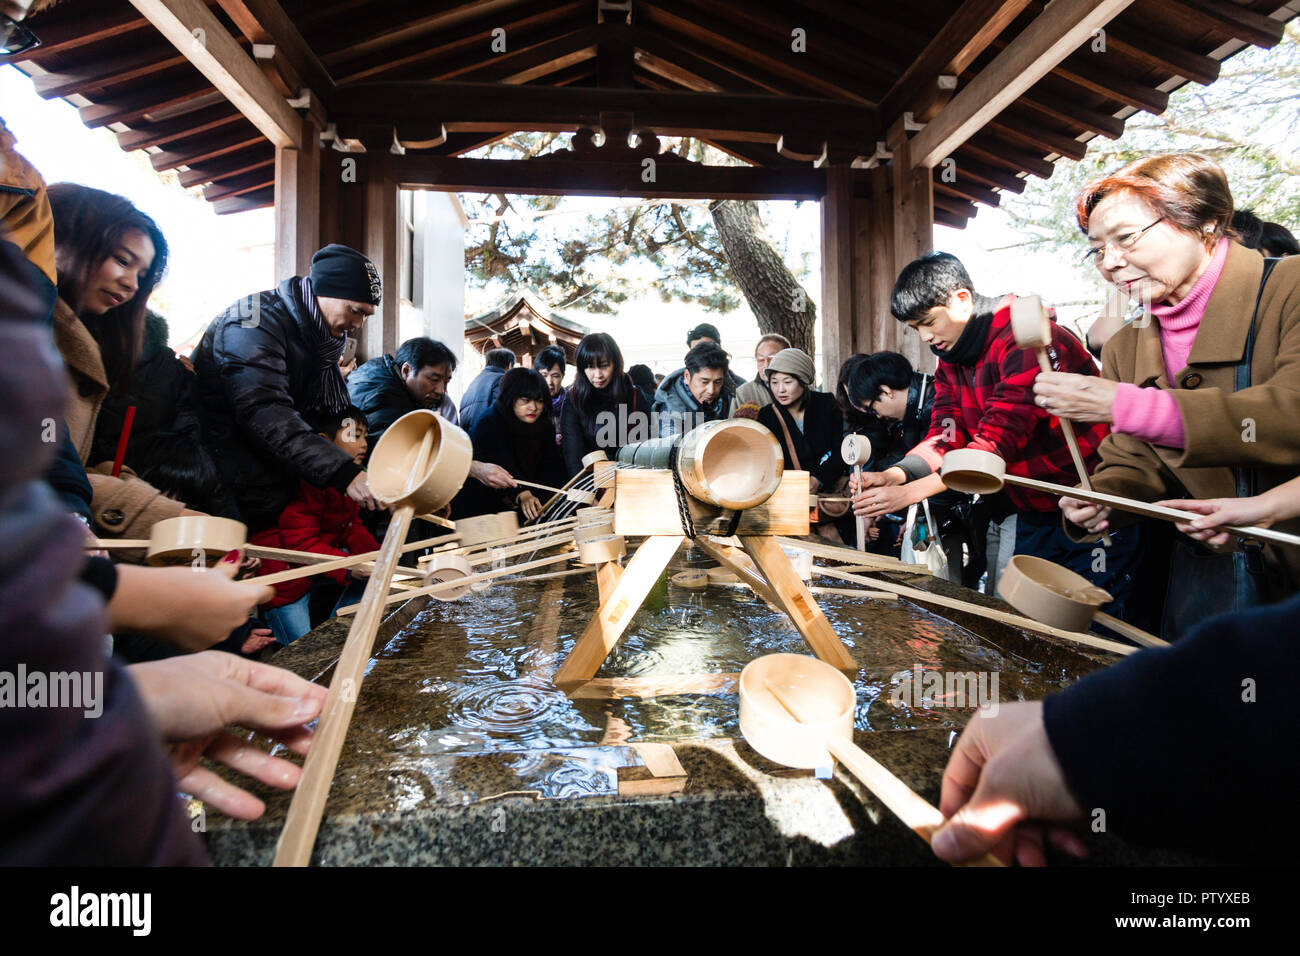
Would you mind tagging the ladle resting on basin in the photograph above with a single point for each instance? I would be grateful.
(798, 711)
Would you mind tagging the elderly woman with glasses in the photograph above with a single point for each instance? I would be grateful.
(1202, 390)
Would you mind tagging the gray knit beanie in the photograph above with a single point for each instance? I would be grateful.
(794, 362)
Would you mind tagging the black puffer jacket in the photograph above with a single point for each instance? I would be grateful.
(255, 370)
(378, 390)
(817, 445)
(163, 391)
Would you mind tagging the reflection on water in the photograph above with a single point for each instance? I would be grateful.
(474, 675)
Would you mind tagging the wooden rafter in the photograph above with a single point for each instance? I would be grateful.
(1229, 19)
(220, 143)
(226, 66)
(959, 42)
(156, 133)
(264, 21)
(1053, 34)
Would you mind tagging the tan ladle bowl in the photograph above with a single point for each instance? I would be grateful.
(447, 567)
(798, 711)
(180, 540)
(393, 463)
(1057, 596)
(978, 472)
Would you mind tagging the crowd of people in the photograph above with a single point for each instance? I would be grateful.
(1195, 403)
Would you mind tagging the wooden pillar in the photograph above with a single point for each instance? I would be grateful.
(913, 221)
(297, 204)
(837, 272)
(382, 246)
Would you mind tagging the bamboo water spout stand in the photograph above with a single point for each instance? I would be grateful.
(743, 469)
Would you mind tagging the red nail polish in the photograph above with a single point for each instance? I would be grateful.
(232, 557)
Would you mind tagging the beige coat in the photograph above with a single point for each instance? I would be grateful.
(1258, 427)
(123, 507)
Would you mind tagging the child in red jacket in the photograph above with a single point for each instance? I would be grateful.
(321, 520)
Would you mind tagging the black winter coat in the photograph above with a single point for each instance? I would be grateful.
(818, 445)
(532, 458)
(378, 390)
(255, 372)
(582, 434)
(163, 391)
(480, 396)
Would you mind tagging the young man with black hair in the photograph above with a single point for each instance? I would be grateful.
(389, 386)
(899, 402)
(707, 332)
(984, 400)
(550, 364)
(699, 393)
(482, 392)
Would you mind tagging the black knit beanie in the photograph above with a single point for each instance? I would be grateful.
(339, 272)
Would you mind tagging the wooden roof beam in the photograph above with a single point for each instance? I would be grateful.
(1082, 69)
(677, 60)
(1053, 35)
(255, 200)
(997, 153)
(1046, 103)
(94, 76)
(866, 20)
(464, 107)
(69, 26)
(376, 28)
(239, 185)
(576, 177)
(554, 51)
(201, 176)
(158, 132)
(968, 168)
(1018, 130)
(1229, 19)
(200, 148)
(968, 190)
(264, 21)
(226, 66)
(1166, 57)
(958, 44)
(141, 102)
(759, 51)
(474, 36)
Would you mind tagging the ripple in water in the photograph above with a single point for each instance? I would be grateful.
(507, 707)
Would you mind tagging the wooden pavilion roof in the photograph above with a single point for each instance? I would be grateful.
(786, 86)
(525, 324)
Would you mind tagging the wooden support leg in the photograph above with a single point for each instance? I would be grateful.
(607, 576)
(798, 603)
(611, 619)
(756, 583)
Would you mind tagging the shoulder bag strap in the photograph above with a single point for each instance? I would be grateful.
(1246, 476)
(789, 442)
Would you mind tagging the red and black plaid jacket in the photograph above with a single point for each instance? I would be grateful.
(990, 406)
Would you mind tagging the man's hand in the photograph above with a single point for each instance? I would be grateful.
(192, 699)
(530, 505)
(1004, 792)
(494, 476)
(186, 607)
(1080, 398)
(359, 491)
(1092, 518)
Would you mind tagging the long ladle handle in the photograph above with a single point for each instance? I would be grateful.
(904, 802)
(1067, 427)
(302, 822)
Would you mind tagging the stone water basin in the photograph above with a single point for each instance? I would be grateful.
(461, 751)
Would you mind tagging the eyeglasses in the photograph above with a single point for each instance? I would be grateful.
(17, 38)
(1124, 243)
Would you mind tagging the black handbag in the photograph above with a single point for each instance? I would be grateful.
(1202, 582)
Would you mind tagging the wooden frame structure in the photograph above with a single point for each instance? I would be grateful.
(893, 117)
(525, 324)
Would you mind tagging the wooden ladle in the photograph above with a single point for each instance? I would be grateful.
(419, 463)
(979, 472)
(856, 452)
(1032, 327)
(798, 711)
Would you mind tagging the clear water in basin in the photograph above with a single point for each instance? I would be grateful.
(474, 675)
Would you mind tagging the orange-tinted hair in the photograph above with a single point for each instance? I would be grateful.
(1189, 190)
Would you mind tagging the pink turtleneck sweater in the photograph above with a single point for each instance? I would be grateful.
(1151, 414)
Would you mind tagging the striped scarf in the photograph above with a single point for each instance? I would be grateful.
(327, 393)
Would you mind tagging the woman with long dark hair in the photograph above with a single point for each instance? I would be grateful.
(516, 433)
(109, 256)
(604, 409)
